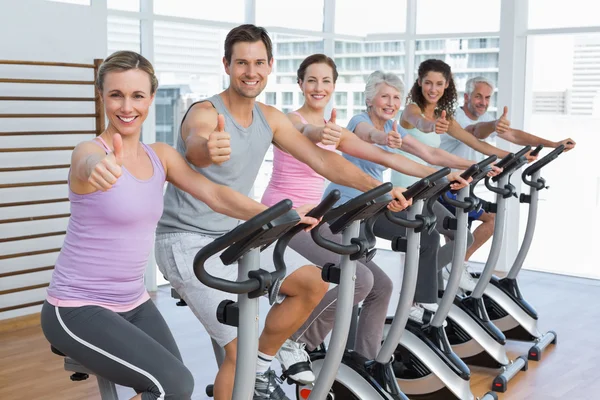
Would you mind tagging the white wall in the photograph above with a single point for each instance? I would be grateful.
(39, 30)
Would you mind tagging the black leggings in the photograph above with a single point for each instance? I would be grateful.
(427, 281)
(134, 349)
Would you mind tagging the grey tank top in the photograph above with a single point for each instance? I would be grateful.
(183, 212)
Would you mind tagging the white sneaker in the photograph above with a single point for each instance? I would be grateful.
(416, 313)
(295, 362)
(467, 282)
(423, 313)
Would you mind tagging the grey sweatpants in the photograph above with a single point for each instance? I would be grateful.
(134, 349)
(446, 253)
(372, 285)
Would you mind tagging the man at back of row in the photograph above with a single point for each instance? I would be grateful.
(474, 118)
(225, 138)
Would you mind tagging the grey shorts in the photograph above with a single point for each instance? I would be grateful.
(175, 254)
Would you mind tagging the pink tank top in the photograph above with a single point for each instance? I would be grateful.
(294, 180)
(109, 238)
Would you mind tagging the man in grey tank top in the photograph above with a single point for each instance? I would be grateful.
(226, 138)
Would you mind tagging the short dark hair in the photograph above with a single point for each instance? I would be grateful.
(316, 59)
(247, 33)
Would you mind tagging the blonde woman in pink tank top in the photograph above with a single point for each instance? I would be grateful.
(98, 309)
(292, 179)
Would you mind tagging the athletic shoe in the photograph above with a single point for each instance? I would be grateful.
(467, 282)
(267, 387)
(295, 362)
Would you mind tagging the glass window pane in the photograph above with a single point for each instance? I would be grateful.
(288, 98)
(441, 16)
(124, 5)
(80, 2)
(271, 98)
(307, 16)
(341, 98)
(467, 58)
(225, 11)
(357, 17)
(565, 102)
(123, 34)
(356, 61)
(561, 14)
(187, 60)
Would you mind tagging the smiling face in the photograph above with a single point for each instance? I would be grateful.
(127, 98)
(317, 85)
(478, 102)
(386, 103)
(432, 86)
(249, 68)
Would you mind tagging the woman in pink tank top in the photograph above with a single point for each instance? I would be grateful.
(97, 310)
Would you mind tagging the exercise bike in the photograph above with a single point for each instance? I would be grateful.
(473, 337)
(503, 299)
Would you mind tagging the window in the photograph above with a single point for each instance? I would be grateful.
(123, 34)
(288, 98)
(347, 47)
(225, 11)
(357, 60)
(187, 60)
(467, 58)
(271, 98)
(545, 14)
(483, 60)
(441, 16)
(341, 98)
(341, 113)
(79, 2)
(359, 99)
(573, 177)
(373, 47)
(307, 15)
(393, 63)
(289, 51)
(124, 5)
(356, 17)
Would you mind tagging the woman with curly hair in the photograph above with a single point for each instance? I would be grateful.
(430, 109)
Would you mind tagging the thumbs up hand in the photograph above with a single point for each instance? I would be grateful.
(219, 144)
(331, 132)
(442, 124)
(394, 140)
(106, 172)
(502, 123)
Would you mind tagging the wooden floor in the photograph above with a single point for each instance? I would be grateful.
(570, 370)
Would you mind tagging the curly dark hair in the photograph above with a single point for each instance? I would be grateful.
(448, 102)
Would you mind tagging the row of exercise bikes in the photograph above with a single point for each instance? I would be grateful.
(417, 360)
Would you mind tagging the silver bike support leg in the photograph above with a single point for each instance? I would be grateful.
(500, 383)
(460, 249)
(489, 396)
(488, 270)
(529, 231)
(407, 291)
(108, 390)
(247, 340)
(339, 335)
(219, 352)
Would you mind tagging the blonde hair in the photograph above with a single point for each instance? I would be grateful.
(124, 61)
